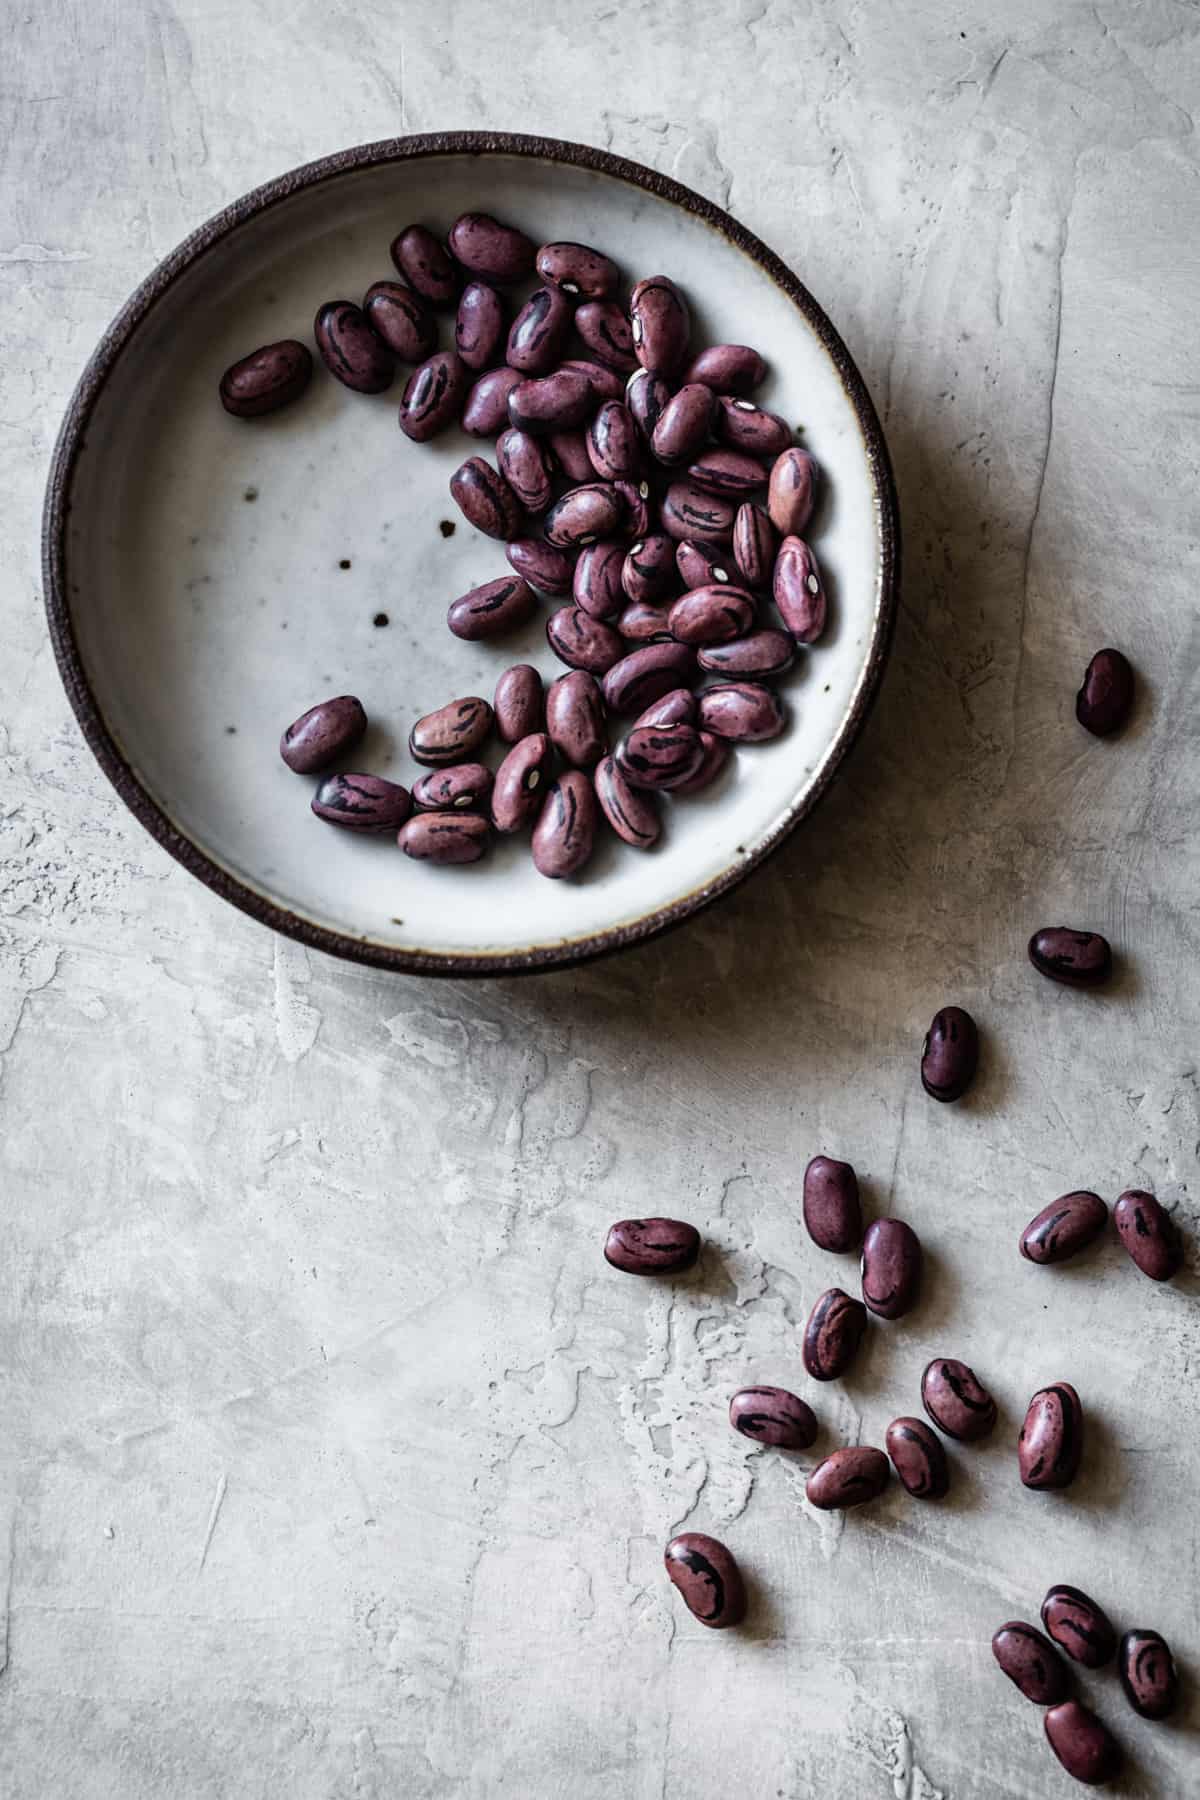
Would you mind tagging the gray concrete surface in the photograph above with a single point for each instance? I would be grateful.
(334, 1462)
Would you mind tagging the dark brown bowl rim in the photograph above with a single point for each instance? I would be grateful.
(57, 507)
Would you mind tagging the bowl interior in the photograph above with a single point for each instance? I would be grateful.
(224, 575)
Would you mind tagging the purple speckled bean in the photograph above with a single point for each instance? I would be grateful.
(743, 712)
(1083, 1744)
(322, 734)
(646, 396)
(362, 802)
(792, 491)
(744, 426)
(648, 571)
(575, 718)
(495, 607)
(891, 1268)
(660, 325)
(660, 756)
(714, 754)
(730, 472)
(527, 465)
(551, 403)
(833, 1333)
(728, 368)
(450, 734)
(605, 329)
(605, 384)
(1078, 1626)
(1105, 699)
(445, 837)
(540, 331)
(1051, 1440)
(520, 783)
(676, 707)
(799, 592)
(433, 396)
(401, 319)
(847, 1478)
(427, 266)
(918, 1458)
(755, 545)
(1148, 1673)
(486, 409)
(479, 325)
(950, 1055)
(350, 350)
(700, 564)
(643, 623)
(708, 1578)
(1076, 958)
(756, 657)
(543, 567)
(832, 1212)
(583, 642)
(711, 615)
(585, 514)
(645, 675)
(565, 834)
(1031, 1663)
(688, 513)
(461, 788)
(518, 704)
(635, 502)
(614, 443)
(652, 1246)
(1148, 1233)
(685, 424)
(630, 811)
(485, 499)
(772, 1415)
(487, 248)
(596, 587)
(571, 455)
(577, 269)
(1064, 1227)
(956, 1400)
(270, 377)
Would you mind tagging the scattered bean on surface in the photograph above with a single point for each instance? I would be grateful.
(445, 837)
(1078, 1626)
(450, 734)
(1082, 1742)
(1051, 1440)
(350, 350)
(708, 1578)
(832, 1210)
(1105, 699)
(1148, 1233)
(1064, 1227)
(772, 1415)
(832, 1335)
(362, 802)
(491, 609)
(1076, 958)
(652, 1246)
(1031, 1663)
(847, 1478)
(565, 833)
(956, 1400)
(919, 1458)
(270, 377)
(1148, 1674)
(400, 318)
(427, 266)
(322, 734)
(891, 1268)
(485, 247)
(632, 812)
(950, 1055)
(521, 781)
(460, 788)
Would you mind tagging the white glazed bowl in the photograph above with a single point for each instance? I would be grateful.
(198, 601)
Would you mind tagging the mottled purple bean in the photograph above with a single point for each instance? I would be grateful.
(575, 718)
(485, 499)
(833, 1333)
(350, 350)
(1105, 699)
(583, 642)
(688, 513)
(540, 331)
(585, 514)
(832, 1211)
(1078, 1626)
(1031, 1663)
(950, 1055)
(743, 712)
(648, 571)
(711, 615)
(362, 802)
(452, 733)
(460, 788)
(728, 368)
(744, 426)
(605, 329)
(792, 491)
(551, 403)
(487, 248)
(730, 472)
(427, 266)
(700, 564)
(799, 592)
(527, 465)
(520, 783)
(708, 1578)
(642, 623)
(605, 384)
(1083, 1744)
(1064, 1227)
(445, 837)
(660, 325)
(891, 1268)
(492, 609)
(644, 675)
(596, 587)
(772, 1415)
(577, 269)
(1076, 958)
(401, 319)
(756, 657)
(685, 424)
(956, 1400)
(918, 1458)
(565, 833)
(630, 811)
(659, 756)
(635, 503)
(571, 454)
(755, 545)
(1051, 1440)
(614, 443)
(548, 570)
(714, 754)
(479, 325)
(270, 377)
(518, 704)
(486, 409)
(1148, 1673)
(676, 707)
(646, 396)
(652, 1246)
(1148, 1233)
(322, 734)
(847, 1478)
(433, 396)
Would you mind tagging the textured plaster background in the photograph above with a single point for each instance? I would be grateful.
(334, 1461)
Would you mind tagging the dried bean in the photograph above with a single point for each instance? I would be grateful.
(583, 642)
(641, 623)
(485, 247)
(700, 564)
(518, 704)
(445, 837)
(833, 1334)
(659, 756)
(918, 1458)
(575, 718)
(743, 712)
(1083, 1744)
(485, 499)
(832, 1213)
(635, 501)
(646, 396)
(771, 1415)
(543, 567)
(799, 592)
(1148, 1674)
(1077, 958)
(460, 788)
(486, 409)
(527, 465)
(676, 707)
(1051, 1440)
(322, 734)
(956, 1400)
(605, 384)
(520, 782)
(1103, 703)
(726, 472)
(630, 811)
(950, 1055)
(479, 325)
(1148, 1233)
(686, 512)
(495, 607)
(755, 545)
(270, 377)
(645, 675)
(648, 569)
(577, 269)
(1078, 1626)
(1031, 1663)
(891, 1268)
(540, 331)
(424, 262)
(756, 657)
(660, 325)
(398, 316)
(350, 349)
(652, 1246)
(711, 615)
(362, 802)
(714, 754)
(847, 1478)
(728, 368)
(585, 514)
(1064, 1227)
(551, 403)
(792, 491)
(684, 425)
(597, 585)
(707, 1576)
(565, 833)
(744, 426)
(571, 454)
(450, 734)
(605, 329)
(433, 396)
(614, 444)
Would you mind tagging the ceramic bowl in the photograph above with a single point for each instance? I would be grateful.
(208, 578)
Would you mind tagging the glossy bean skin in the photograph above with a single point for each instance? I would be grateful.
(648, 570)
(640, 623)
(540, 331)
(700, 564)
(688, 513)
(630, 811)
(451, 733)
(756, 657)
(270, 377)
(575, 718)
(659, 756)
(652, 1246)
(799, 592)
(792, 491)
(711, 615)
(847, 1478)
(400, 318)
(485, 499)
(1148, 1674)
(427, 266)
(433, 396)
(714, 754)
(729, 472)
(956, 1400)
(362, 802)
(493, 251)
(1064, 1227)
(728, 368)
(1083, 1744)
(577, 269)
(950, 1055)
(635, 501)
(460, 788)
(350, 349)
(527, 466)
(1076, 958)
(596, 588)
(585, 514)
(661, 325)
(832, 1335)
(676, 707)
(551, 403)
(519, 703)
(685, 424)
(520, 783)
(918, 1458)
(1105, 699)
(891, 1268)
(1031, 1663)
(565, 833)
(492, 609)
(548, 570)
(646, 396)
(743, 712)
(605, 384)
(485, 411)
(832, 1211)
(1078, 1626)
(708, 1578)
(322, 734)
(644, 675)
(1148, 1233)
(755, 545)
(614, 443)
(744, 426)
(605, 329)
(446, 838)
(571, 454)
(1051, 1440)
(772, 1415)
(583, 642)
(479, 325)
